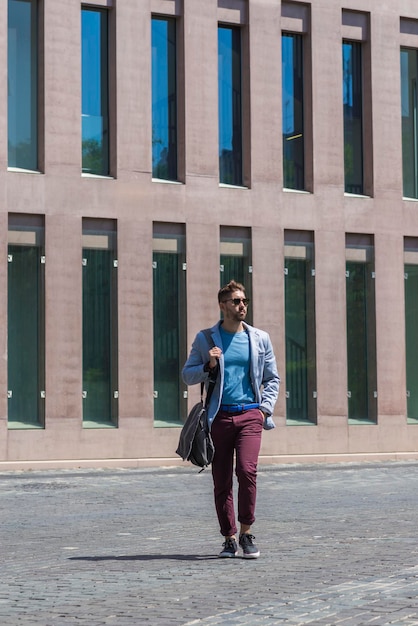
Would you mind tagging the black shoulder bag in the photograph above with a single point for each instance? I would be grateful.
(195, 443)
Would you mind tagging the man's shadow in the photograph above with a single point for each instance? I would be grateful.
(145, 557)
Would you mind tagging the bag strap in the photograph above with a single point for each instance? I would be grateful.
(213, 376)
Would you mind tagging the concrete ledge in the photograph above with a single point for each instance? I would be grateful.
(307, 459)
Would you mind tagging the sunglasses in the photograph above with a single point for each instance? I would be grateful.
(237, 301)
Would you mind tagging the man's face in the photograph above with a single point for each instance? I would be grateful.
(234, 311)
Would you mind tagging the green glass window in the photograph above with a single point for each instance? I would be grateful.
(164, 98)
(292, 112)
(353, 116)
(411, 326)
(26, 323)
(361, 329)
(409, 78)
(236, 263)
(169, 315)
(100, 363)
(230, 105)
(22, 81)
(94, 91)
(300, 328)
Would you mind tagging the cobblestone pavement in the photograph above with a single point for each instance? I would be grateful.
(137, 547)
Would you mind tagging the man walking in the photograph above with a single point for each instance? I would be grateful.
(242, 360)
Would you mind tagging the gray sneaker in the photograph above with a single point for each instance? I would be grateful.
(229, 549)
(248, 546)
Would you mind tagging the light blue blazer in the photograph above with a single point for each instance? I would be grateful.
(263, 369)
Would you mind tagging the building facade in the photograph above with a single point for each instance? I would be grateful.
(158, 148)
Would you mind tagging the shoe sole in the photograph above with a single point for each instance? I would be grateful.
(227, 555)
(255, 555)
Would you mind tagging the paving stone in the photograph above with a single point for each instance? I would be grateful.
(137, 547)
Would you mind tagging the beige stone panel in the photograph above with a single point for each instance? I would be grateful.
(201, 97)
(24, 193)
(268, 296)
(62, 27)
(386, 96)
(133, 72)
(203, 272)
(265, 80)
(3, 335)
(327, 114)
(390, 324)
(331, 349)
(135, 315)
(63, 315)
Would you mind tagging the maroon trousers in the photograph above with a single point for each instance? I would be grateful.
(239, 434)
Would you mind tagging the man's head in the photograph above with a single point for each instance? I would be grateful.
(233, 302)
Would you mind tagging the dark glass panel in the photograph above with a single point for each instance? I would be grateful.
(95, 92)
(353, 117)
(99, 336)
(169, 336)
(300, 337)
(409, 76)
(26, 371)
(22, 81)
(411, 338)
(292, 112)
(361, 342)
(229, 105)
(164, 99)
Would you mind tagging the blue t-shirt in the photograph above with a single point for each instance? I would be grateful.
(237, 383)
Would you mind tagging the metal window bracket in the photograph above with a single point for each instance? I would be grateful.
(84, 262)
(115, 263)
(155, 394)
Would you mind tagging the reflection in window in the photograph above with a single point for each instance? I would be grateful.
(353, 117)
(411, 326)
(26, 322)
(229, 105)
(22, 83)
(100, 367)
(236, 261)
(292, 111)
(409, 77)
(361, 329)
(95, 92)
(164, 99)
(300, 328)
(169, 304)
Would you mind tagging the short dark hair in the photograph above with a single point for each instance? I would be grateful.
(228, 289)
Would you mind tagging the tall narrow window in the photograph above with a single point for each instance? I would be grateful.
(361, 329)
(169, 299)
(95, 91)
(292, 112)
(300, 328)
(100, 363)
(26, 322)
(411, 325)
(353, 117)
(164, 98)
(409, 79)
(236, 261)
(230, 105)
(22, 84)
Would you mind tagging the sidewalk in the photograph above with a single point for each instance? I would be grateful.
(339, 546)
